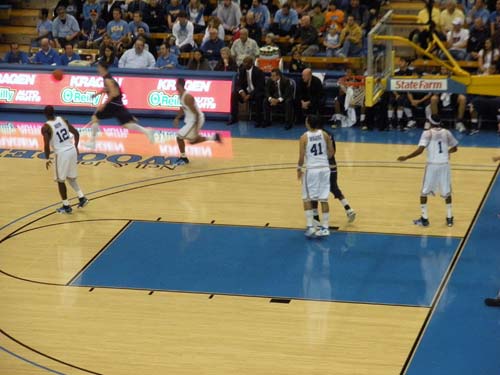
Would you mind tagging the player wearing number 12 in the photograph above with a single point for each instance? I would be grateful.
(316, 148)
(63, 138)
(439, 143)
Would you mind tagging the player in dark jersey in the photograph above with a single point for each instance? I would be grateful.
(113, 107)
(334, 188)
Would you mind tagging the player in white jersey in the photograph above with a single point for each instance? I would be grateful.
(60, 136)
(439, 143)
(194, 119)
(316, 149)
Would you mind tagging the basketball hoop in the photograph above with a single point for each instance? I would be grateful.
(356, 84)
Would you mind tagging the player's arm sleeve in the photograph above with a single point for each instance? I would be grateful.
(425, 139)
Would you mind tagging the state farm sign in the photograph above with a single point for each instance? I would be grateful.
(434, 85)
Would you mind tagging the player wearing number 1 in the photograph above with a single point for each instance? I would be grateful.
(63, 138)
(439, 143)
(316, 148)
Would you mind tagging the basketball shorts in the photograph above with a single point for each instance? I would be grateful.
(189, 131)
(65, 165)
(437, 178)
(316, 184)
(115, 110)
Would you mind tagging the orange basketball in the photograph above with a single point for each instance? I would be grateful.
(58, 74)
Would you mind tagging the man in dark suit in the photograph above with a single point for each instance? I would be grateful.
(279, 96)
(249, 87)
(309, 94)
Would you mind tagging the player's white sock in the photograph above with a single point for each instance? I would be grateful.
(390, 114)
(211, 137)
(325, 219)
(183, 154)
(74, 185)
(362, 117)
(408, 112)
(344, 202)
(424, 211)
(65, 202)
(309, 218)
(139, 128)
(474, 122)
(448, 210)
(315, 212)
(399, 114)
(95, 130)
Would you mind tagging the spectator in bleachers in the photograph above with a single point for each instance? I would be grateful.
(229, 13)
(359, 12)
(136, 23)
(89, 6)
(149, 44)
(106, 42)
(270, 40)
(43, 26)
(478, 34)
(331, 41)
(226, 62)
(323, 4)
(351, 39)
(69, 55)
(423, 16)
(65, 28)
(261, 14)
(72, 7)
(449, 14)
(249, 88)
(478, 10)
(46, 55)
(487, 57)
(117, 29)
(183, 31)
(302, 7)
(495, 19)
(211, 48)
(243, 47)
(456, 40)
(172, 46)
(172, 10)
(109, 57)
(334, 15)
(198, 61)
(296, 64)
(107, 9)
(93, 31)
(155, 18)
(254, 31)
(137, 57)
(309, 95)
(307, 36)
(317, 18)
(278, 96)
(285, 21)
(214, 22)
(166, 60)
(137, 6)
(15, 55)
(195, 10)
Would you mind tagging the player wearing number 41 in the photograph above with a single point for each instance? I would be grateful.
(63, 138)
(113, 108)
(439, 143)
(316, 148)
(193, 122)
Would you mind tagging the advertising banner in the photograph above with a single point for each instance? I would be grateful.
(144, 93)
(116, 140)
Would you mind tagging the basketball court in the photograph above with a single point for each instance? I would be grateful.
(204, 269)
